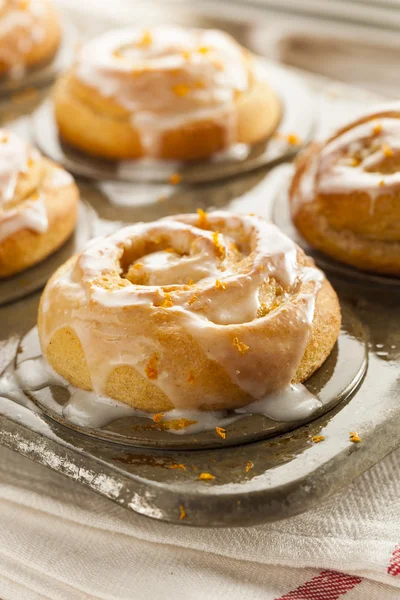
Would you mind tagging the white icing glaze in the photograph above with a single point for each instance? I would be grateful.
(293, 403)
(33, 216)
(351, 161)
(88, 409)
(213, 314)
(21, 29)
(14, 155)
(59, 178)
(167, 77)
(29, 211)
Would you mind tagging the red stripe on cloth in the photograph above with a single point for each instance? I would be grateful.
(328, 585)
(394, 565)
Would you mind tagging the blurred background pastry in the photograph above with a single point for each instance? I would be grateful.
(164, 92)
(38, 205)
(345, 194)
(29, 35)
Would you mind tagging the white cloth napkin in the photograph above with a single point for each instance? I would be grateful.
(60, 540)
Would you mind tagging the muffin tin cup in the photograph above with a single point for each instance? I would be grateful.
(297, 120)
(248, 483)
(332, 383)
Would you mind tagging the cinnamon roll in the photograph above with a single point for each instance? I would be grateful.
(195, 311)
(38, 205)
(345, 194)
(29, 35)
(168, 92)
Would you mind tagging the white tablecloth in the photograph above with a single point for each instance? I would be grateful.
(62, 541)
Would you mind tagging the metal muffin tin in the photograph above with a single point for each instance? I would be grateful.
(256, 477)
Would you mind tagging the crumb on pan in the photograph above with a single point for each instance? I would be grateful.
(206, 477)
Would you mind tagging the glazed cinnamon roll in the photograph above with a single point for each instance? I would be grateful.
(38, 205)
(196, 311)
(168, 92)
(29, 35)
(345, 194)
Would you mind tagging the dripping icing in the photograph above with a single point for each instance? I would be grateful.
(88, 409)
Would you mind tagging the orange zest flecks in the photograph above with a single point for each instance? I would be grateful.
(203, 50)
(190, 282)
(191, 378)
(249, 466)
(382, 182)
(145, 41)
(178, 466)
(182, 513)
(175, 178)
(203, 221)
(376, 130)
(318, 438)
(4, 139)
(137, 266)
(220, 285)
(117, 53)
(218, 65)
(206, 477)
(219, 249)
(151, 367)
(354, 162)
(158, 417)
(177, 424)
(30, 162)
(354, 437)
(193, 299)
(167, 301)
(241, 346)
(387, 151)
(221, 432)
(293, 139)
(186, 54)
(181, 90)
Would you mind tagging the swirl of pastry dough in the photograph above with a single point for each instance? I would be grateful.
(29, 35)
(38, 205)
(196, 311)
(168, 92)
(345, 194)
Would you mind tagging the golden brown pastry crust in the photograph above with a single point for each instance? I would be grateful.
(42, 192)
(200, 380)
(33, 40)
(103, 126)
(345, 194)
